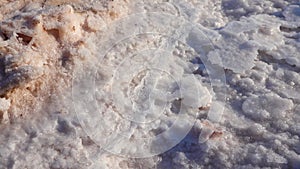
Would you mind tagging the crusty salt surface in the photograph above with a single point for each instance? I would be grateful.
(265, 68)
(268, 106)
(138, 82)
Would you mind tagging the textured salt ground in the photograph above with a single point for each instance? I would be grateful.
(256, 42)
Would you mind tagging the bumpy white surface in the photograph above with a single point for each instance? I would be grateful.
(258, 126)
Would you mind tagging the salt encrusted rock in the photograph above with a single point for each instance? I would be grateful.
(38, 45)
(66, 22)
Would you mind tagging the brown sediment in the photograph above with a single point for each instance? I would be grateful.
(216, 134)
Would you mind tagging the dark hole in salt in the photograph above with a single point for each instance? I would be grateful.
(24, 39)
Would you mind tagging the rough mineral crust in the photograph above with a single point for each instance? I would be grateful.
(45, 43)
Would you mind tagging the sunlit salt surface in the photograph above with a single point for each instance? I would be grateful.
(187, 84)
